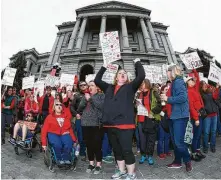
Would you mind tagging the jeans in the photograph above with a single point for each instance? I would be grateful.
(137, 138)
(78, 132)
(6, 119)
(209, 127)
(106, 147)
(177, 132)
(219, 123)
(44, 115)
(163, 141)
(62, 145)
(197, 131)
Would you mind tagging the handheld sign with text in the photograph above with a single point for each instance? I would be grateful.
(110, 46)
(153, 73)
(90, 77)
(31, 125)
(51, 80)
(110, 73)
(39, 88)
(28, 82)
(214, 73)
(141, 110)
(67, 79)
(9, 76)
(191, 60)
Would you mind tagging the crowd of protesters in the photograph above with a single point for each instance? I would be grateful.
(103, 118)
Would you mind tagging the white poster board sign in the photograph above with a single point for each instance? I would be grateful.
(90, 77)
(188, 138)
(112, 68)
(141, 110)
(110, 46)
(67, 79)
(191, 60)
(39, 88)
(214, 73)
(28, 82)
(201, 76)
(9, 76)
(153, 73)
(51, 80)
(110, 73)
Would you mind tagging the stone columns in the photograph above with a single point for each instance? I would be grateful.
(145, 34)
(50, 60)
(81, 35)
(102, 30)
(126, 47)
(74, 33)
(171, 50)
(152, 35)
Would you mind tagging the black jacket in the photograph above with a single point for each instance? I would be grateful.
(118, 109)
(209, 103)
(75, 103)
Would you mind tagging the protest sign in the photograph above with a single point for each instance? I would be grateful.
(28, 82)
(112, 68)
(153, 73)
(31, 125)
(9, 76)
(214, 73)
(67, 79)
(141, 110)
(191, 60)
(188, 138)
(110, 73)
(51, 80)
(110, 46)
(201, 76)
(39, 88)
(90, 77)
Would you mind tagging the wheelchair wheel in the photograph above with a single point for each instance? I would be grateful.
(16, 150)
(28, 154)
(51, 168)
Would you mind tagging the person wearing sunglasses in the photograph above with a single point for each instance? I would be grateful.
(57, 129)
(24, 129)
(83, 88)
(31, 106)
(7, 105)
(195, 105)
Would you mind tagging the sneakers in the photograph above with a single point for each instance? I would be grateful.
(97, 170)
(107, 160)
(195, 157)
(189, 167)
(162, 156)
(90, 169)
(199, 153)
(150, 160)
(21, 143)
(131, 176)
(119, 174)
(142, 159)
(213, 149)
(174, 165)
(12, 141)
(67, 162)
(61, 163)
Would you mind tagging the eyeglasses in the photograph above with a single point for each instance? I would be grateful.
(58, 105)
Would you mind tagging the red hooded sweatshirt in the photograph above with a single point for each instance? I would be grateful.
(53, 124)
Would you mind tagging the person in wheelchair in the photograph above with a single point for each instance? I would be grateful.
(25, 129)
(57, 129)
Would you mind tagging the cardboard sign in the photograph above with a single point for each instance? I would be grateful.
(90, 77)
(39, 88)
(110, 46)
(28, 82)
(9, 76)
(67, 79)
(191, 60)
(153, 73)
(188, 138)
(51, 80)
(214, 73)
(31, 125)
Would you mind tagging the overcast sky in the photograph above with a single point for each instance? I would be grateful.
(31, 23)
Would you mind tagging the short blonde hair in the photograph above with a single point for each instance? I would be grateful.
(56, 101)
(176, 71)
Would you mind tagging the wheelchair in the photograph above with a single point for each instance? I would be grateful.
(51, 162)
(30, 143)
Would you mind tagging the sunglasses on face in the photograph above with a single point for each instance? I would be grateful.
(58, 105)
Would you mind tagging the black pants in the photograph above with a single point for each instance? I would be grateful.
(121, 141)
(93, 137)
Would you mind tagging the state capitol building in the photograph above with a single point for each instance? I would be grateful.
(77, 49)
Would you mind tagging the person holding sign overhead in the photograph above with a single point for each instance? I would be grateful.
(178, 118)
(118, 116)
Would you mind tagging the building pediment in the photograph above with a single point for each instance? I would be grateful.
(113, 5)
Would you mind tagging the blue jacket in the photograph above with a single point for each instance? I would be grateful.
(179, 99)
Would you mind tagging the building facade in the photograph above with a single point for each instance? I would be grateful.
(77, 46)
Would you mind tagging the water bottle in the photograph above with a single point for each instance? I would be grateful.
(77, 151)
